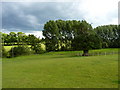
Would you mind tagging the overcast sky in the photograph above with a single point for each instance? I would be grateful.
(30, 17)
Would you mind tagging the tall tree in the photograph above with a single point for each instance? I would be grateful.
(4, 38)
(70, 35)
(51, 33)
(13, 37)
(85, 38)
(21, 38)
(109, 34)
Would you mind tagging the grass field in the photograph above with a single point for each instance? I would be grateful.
(90, 51)
(60, 70)
(9, 47)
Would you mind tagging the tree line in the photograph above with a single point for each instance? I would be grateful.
(110, 35)
(68, 35)
(23, 44)
(18, 39)
(61, 35)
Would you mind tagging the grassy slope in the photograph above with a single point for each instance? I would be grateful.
(9, 47)
(90, 51)
(52, 71)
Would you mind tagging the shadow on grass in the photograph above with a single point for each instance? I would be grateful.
(117, 82)
(66, 56)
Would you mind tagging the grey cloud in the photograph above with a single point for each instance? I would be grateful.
(32, 16)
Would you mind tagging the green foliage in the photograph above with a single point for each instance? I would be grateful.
(35, 44)
(77, 35)
(20, 50)
(109, 34)
(87, 42)
(32, 40)
(13, 37)
(4, 52)
(70, 35)
(104, 45)
(85, 38)
(38, 49)
(19, 38)
(51, 32)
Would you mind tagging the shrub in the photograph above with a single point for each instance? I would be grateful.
(20, 50)
(105, 45)
(38, 49)
(3, 52)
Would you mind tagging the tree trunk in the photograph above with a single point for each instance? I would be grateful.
(85, 53)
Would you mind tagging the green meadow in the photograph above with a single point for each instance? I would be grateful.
(61, 70)
(59, 45)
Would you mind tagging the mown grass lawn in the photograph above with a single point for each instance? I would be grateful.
(60, 71)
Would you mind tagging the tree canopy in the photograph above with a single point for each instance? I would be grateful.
(70, 35)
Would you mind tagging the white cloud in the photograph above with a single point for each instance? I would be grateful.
(100, 12)
(36, 33)
(5, 31)
(40, 0)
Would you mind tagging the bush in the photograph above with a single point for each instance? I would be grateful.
(3, 52)
(20, 50)
(38, 49)
(105, 45)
